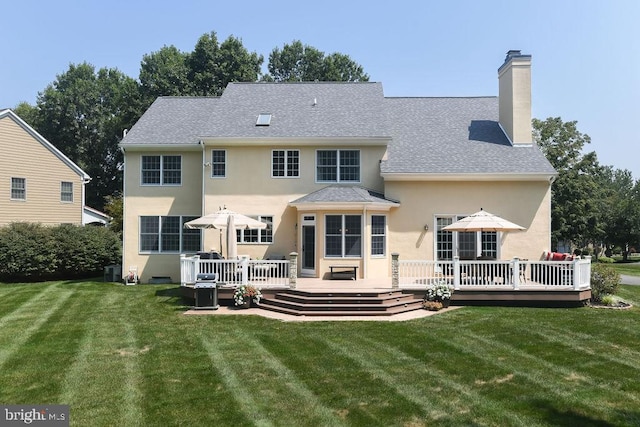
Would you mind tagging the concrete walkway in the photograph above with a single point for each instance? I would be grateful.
(223, 310)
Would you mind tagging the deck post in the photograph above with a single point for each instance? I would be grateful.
(515, 273)
(456, 273)
(395, 270)
(293, 269)
(244, 267)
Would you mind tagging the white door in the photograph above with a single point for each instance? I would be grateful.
(308, 237)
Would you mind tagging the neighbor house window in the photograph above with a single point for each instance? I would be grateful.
(161, 170)
(378, 235)
(18, 188)
(167, 234)
(264, 235)
(343, 236)
(66, 191)
(285, 163)
(338, 166)
(464, 244)
(218, 163)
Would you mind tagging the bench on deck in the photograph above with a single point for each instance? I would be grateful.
(344, 271)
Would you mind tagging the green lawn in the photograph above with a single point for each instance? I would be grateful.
(127, 356)
(631, 269)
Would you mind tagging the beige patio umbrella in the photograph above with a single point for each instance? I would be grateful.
(483, 221)
(226, 219)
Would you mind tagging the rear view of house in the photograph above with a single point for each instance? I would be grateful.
(340, 173)
(37, 182)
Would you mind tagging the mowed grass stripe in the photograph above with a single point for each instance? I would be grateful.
(14, 295)
(437, 402)
(234, 381)
(543, 374)
(27, 303)
(104, 376)
(28, 319)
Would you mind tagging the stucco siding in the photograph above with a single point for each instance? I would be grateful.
(158, 200)
(524, 203)
(25, 157)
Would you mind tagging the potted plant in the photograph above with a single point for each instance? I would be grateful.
(439, 292)
(244, 295)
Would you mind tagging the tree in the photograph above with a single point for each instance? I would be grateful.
(212, 66)
(83, 113)
(114, 208)
(575, 215)
(164, 73)
(297, 63)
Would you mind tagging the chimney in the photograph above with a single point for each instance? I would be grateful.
(514, 93)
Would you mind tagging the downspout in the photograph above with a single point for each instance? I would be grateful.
(202, 199)
(124, 209)
(366, 253)
(85, 181)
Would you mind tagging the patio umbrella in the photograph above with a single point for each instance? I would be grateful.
(220, 220)
(232, 245)
(229, 220)
(483, 221)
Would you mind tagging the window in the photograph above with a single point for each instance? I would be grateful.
(257, 236)
(343, 236)
(338, 166)
(285, 163)
(167, 234)
(378, 235)
(66, 191)
(218, 163)
(465, 244)
(18, 188)
(264, 119)
(161, 170)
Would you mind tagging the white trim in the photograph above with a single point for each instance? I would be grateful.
(22, 199)
(294, 141)
(61, 192)
(342, 206)
(161, 183)
(226, 164)
(286, 163)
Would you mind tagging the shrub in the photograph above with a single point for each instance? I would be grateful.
(32, 252)
(604, 281)
(606, 260)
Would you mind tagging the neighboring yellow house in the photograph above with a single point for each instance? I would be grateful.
(339, 172)
(37, 182)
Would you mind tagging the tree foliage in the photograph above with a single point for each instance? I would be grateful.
(83, 113)
(591, 204)
(297, 63)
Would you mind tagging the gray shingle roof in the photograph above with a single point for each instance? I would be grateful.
(172, 120)
(454, 136)
(428, 135)
(345, 194)
(313, 110)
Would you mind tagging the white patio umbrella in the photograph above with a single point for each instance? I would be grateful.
(220, 220)
(483, 221)
(226, 219)
(232, 245)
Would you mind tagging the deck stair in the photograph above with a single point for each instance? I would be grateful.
(342, 303)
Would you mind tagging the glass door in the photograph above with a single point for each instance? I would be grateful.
(308, 265)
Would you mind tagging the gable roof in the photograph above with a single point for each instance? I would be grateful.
(425, 136)
(42, 140)
(454, 136)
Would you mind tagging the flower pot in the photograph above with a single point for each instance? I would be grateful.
(246, 303)
(445, 302)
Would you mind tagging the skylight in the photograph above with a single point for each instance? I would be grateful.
(264, 119)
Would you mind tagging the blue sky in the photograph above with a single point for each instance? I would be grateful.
(586, 56)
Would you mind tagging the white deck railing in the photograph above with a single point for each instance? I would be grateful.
(264, 273)
(515, 274)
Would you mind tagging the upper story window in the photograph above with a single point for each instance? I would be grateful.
(218, 163)
(161, 170)
(285, 163)
(338, 166)
(66, 191)
(18, 188)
